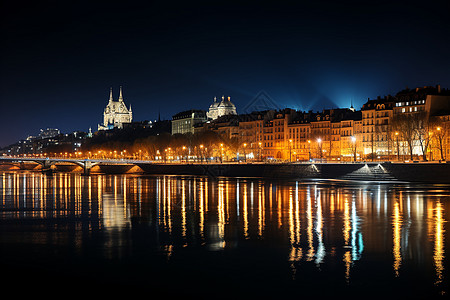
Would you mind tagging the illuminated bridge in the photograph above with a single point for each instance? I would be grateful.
(47, 164)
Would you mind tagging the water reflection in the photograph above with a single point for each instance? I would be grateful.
(315, 223)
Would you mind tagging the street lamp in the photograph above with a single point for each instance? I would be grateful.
(245, 155)
(309, 149)
(354, 148)
(440, 137)
(201, 153)
(319, 140)
(290, 146)
(398, 147)
(260, 146)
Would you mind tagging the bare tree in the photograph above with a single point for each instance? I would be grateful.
(440, 133)
(405, 124)
(422, 126)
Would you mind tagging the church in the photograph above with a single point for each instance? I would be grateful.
(115, 113)
(222, 108)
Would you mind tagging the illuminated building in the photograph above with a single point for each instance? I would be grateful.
(276, 144)
(115, 113)
(185, 121)
(222, 108)
(377, 129)
(251, 132)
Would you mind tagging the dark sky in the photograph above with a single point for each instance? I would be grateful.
(59, 58)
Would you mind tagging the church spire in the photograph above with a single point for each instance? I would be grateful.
(110, 95)
(120, 94)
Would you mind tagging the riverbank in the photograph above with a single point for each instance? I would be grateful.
(412, 172)
(370, 171)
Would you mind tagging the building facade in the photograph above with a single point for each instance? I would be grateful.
(222, 108)
(116, 114)
(186, 121)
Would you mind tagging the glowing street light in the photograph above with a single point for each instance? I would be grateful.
(309, 149)
(354, 148)
(290, 149)
(319, 141)
(245, 155)
(398, 146)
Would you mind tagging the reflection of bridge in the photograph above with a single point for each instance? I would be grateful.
(86, 164)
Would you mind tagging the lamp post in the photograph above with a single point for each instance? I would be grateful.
(440, 136)
(430, 145)
(319, 141)
(309, 149)
(245, 155)
(354, 148)
(398, 147)
(290, 149)
(260, 146)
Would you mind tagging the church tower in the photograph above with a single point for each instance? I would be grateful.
(116, 113)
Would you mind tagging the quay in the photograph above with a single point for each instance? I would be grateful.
(426, 172)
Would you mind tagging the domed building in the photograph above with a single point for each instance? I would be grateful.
(222, 108)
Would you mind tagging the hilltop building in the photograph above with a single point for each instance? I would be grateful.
(222, 108)
(185, 121)
(116, 113)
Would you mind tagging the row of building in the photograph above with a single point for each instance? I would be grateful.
(414, 123)
(375, 131)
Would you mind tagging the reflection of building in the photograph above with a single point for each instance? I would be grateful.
(222, 108)
(115, 113)
(184, 122)
(115, 213)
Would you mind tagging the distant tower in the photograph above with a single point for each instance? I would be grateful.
(115, 113)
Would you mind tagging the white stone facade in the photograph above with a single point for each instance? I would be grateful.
(116, 113)
(222, 108)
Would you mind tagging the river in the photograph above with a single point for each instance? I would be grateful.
(222, 237)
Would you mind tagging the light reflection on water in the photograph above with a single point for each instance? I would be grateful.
(328, 225)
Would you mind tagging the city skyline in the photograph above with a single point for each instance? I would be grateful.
(60, 60)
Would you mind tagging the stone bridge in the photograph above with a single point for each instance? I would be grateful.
(47, 163)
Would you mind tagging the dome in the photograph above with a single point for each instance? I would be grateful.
(214, 104)
(226, 103)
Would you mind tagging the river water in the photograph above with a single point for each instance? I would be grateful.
(224, 237)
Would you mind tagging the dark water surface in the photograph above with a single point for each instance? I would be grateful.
(178, 236)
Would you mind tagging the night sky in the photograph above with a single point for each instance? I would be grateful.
(60, 58)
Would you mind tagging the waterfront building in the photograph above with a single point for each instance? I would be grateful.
(299, 135)
(251, 133)
(348, 142)
(186, 121)
(377, 128)
(116, 114)
(275, 130)
(419, 121)
(222, 108)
